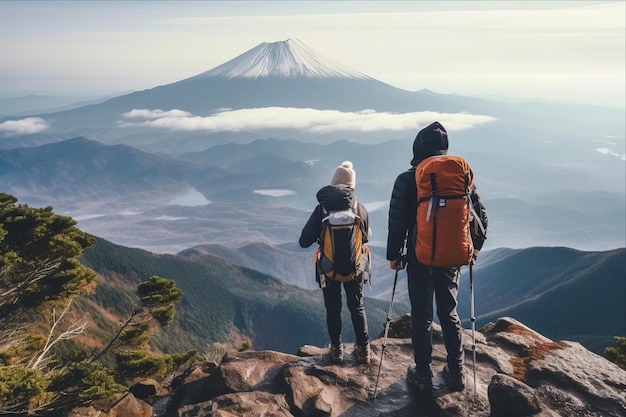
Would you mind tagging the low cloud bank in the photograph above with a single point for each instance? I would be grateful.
(313, 120)
(27, 126)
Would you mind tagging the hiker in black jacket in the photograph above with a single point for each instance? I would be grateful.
(339, 195)
(424, 281)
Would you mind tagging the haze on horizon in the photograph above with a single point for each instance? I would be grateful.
(566, 51)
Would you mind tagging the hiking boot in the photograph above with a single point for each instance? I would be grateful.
(454, 380)
(336, 353)
(422, 381)
(362, 353)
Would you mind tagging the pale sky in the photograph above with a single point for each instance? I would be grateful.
(565, 51)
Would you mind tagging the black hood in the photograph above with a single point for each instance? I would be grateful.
(336, 198)
(430, 141)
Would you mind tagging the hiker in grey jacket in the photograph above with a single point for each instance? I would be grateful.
(339, 195)
(425, 281)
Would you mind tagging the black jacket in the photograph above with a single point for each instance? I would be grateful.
(403, 203)
(332, 198)
(402, 211)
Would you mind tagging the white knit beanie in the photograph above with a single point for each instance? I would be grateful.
(344, 176)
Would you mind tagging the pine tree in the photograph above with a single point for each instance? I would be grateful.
(158, 297)
(617, 354)
(40, 271)
(39, 253)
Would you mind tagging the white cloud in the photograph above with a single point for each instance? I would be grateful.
(606, 151)
(155, 114)
(26, 126)
(169, 218)
(129, 212)
(82, 217)
(313, 120)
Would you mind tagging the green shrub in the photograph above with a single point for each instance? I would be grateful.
(617, 354)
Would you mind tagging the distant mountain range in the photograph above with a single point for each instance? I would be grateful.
(556, 289)
(222, 302)
(564, 293)
(38, 104)
(81, 174)
(264, 191)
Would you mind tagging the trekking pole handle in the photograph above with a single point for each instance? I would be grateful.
(401, 260)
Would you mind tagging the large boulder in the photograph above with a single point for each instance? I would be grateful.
(240, 404)
(510, 397)
(120, 405)
(518, 372)
(145, 389)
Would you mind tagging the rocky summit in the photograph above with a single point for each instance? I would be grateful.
(518, 372)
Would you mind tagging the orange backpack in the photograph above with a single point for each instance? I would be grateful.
(444, 210)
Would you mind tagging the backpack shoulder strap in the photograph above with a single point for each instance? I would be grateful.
(325, 214)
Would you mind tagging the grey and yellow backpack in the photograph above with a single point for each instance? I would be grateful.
(342, 255)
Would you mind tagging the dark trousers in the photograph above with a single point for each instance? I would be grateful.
(354, 298)
(424, 282)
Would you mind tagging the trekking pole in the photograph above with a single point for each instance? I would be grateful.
(382, 353)
(473, 320)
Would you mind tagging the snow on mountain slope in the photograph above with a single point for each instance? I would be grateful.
(290, 58)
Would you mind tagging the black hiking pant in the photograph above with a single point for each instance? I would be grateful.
(354, 298)
(443, 283)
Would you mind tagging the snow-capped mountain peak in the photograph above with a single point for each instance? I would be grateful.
(290, 58)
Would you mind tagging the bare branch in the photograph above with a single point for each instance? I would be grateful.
(73, 330)
(46, 267)
(134, 318)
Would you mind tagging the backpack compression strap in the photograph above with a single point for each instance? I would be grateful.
(332, 237)
(434, 201)
(473, 212)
